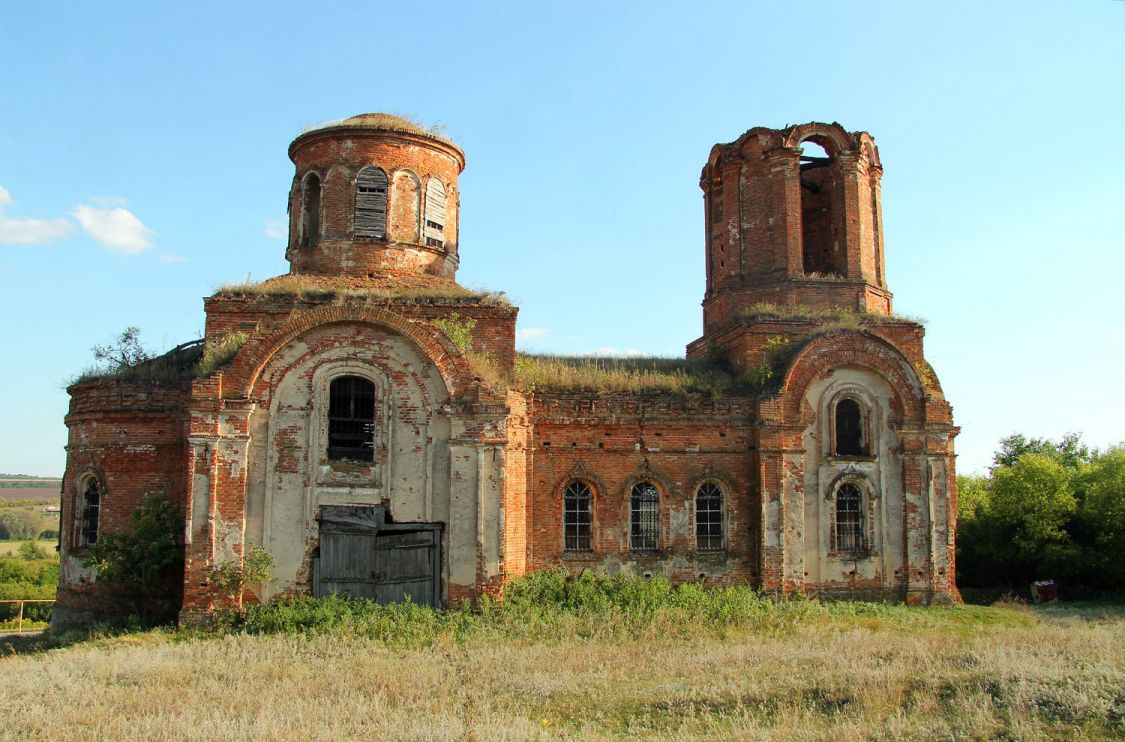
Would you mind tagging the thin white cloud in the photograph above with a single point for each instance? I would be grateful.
(527, 334)
(116, 228)
(28, 231)
(277, 229)
(168, 257)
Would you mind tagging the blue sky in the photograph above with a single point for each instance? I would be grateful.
(143, 163)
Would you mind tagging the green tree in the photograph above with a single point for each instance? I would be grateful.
(233, 577)
(1103, 507)
(1069, 451)
(123, 352)
(1034, 499)
(145, 560)
(19, 525)
(972, 495)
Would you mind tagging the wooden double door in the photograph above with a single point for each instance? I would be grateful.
(362, 555)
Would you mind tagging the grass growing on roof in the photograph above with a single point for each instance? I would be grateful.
(317, 288)
(644, 374)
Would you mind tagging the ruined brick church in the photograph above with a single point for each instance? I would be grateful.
(339, 416)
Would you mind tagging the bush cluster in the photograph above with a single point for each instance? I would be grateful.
(32, 573)
(1046, 510)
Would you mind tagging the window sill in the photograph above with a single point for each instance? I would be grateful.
(837, 457)
(853, 556)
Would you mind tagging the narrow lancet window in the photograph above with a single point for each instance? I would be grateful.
(709, 517)
(89, 513)
(577, 521)
(644, 528)
(310, 211)
(849, 519)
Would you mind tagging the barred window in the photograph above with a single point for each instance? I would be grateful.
(577, 521)
(89, 509)
(849, 429)
(371, 203)
(849, 519)
(709, 517)
(351, 419)
(645, 517)
(310, 211)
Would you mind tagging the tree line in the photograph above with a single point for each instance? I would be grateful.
(1045, 510)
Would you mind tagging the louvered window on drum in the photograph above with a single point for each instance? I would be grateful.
(709, 517)
(644, 528)
(371, 203)
(577, 523)
(435, 213)
(351, 419)
(89, 509)
(849, 519)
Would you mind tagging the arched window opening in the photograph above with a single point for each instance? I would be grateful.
(371, 203)
(709, 517)
(310, 211)
(435, 213)
(849, 519)
(850, 438)
(577, 520)
(351, 419)
(644, 528)
(88, 513)
(822, 252)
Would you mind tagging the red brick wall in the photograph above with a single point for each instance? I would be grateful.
(132, 437)
(337, 155)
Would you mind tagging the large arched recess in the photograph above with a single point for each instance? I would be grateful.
(242, 374)
(861, 348)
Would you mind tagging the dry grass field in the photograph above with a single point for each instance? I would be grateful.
(46, 493)
(882, 673)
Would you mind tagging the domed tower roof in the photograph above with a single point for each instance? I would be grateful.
(374, 195)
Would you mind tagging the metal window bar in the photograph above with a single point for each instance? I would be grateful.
(371, 203)
(709, 518)
(351, 419)
(849, 519)
(577, 520)
(645, 518)
(91, 505)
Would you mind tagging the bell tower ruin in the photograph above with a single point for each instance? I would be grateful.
(789, 228)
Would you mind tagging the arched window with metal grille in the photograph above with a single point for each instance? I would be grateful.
(351, 419)
(577, 517)
(709, 517)
(849, 529)
(435, 213)
(371, 203)
(851, 438)
(644, 521)
(89, 510)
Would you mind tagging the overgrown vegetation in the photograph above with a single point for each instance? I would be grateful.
(458, 328)
(127, 359)
(834, 316)
(145, 562)
(586, 657)
(1046, 510)
(320, 289)
(32, 572)
(218, 352)
(645, 374)
(232, 577)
